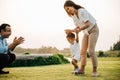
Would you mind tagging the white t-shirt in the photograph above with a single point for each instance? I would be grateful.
(84, 16)
(75, 50)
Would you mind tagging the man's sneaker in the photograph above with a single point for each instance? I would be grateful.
(95, 74)
(4, 72)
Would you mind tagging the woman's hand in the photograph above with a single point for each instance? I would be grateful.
(78, 29)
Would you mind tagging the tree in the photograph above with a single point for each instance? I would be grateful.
(116, 46)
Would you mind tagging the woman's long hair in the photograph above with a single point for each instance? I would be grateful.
(70, 3)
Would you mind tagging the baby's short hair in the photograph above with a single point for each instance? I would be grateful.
(70, 35)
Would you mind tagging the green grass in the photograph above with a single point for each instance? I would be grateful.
(109, 69)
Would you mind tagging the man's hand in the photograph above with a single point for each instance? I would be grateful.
(18, 41)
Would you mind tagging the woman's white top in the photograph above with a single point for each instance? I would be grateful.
(83, 16)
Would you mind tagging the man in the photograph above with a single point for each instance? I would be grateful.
(6, 54)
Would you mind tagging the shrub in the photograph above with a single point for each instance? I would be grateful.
(63, 60)
(39, 61)
(112, 53)
(88, 55)
(22, 63)
(26, 53)
(53, 60)
(101, 54)
(118, 55)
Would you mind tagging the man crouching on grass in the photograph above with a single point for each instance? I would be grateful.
(6, 54)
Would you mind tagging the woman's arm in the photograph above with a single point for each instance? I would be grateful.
(87, 24)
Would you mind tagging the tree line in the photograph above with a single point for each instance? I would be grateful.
(43, 49)
(116, 46)
(112, 52)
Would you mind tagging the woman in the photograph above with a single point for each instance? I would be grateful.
(85, 22)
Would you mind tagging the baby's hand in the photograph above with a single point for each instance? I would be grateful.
(69, 31)
(77, 31)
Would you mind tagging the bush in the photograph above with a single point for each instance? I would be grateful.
(88, 55)
(40, 61)
(55, 59)
(26, 53)
(112, 53)
(101, 54)
(62, 59)
(18, 63)
(118, 55)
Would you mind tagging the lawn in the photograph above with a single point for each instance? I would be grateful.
(109, 69)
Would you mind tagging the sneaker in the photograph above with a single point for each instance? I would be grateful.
(95, 74)
(76, 71)
(4, 72)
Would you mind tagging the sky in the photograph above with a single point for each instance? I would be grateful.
(42, 22)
